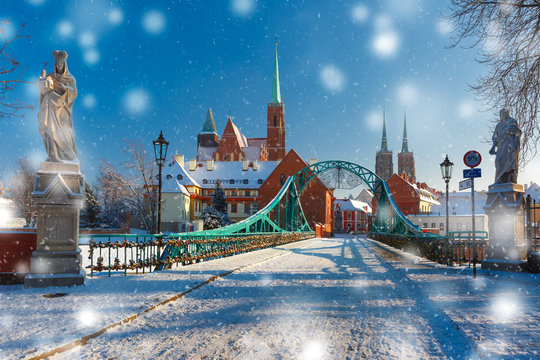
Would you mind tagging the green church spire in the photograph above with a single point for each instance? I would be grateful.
(209, 125)
(276, 95)
(405, 145)
(384, 142)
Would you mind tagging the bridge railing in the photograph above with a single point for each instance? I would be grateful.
(121, 253)
(461, 246)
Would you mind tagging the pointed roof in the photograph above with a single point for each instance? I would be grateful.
(209, 125)
(384, 142)
(405, 145)
(276, 94)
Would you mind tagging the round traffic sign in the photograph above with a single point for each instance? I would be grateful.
(472, 158)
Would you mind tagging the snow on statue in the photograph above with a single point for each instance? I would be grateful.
(57, 92)
(506, 138)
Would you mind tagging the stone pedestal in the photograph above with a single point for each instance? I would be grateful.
(506, 218)
(58, 196)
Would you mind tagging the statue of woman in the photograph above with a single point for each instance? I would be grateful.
(57, 92)
(506, 139)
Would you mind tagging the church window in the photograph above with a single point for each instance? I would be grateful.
(275, 119)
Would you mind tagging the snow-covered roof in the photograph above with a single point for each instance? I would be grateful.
(459, 203)
(173, 186)
(353, 205)
(205, 153)
(230, 173)
(242, 141)
(365, 195)
(534, 190)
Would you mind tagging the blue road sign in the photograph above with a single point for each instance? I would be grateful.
(472, 173)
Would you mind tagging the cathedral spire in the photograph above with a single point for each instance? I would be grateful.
(276, 95)
(384, 142)
(209, 125)
(405, 145)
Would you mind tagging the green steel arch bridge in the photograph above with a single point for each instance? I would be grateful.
(284, 214)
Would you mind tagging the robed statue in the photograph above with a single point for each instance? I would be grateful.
(57, 92)
(506, 143)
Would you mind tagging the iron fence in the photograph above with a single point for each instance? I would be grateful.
(461, 247)
(146, 253)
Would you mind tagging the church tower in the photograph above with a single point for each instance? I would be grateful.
(384, 167)
(406, 157)
(275, 125)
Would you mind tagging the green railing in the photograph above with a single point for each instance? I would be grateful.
(144, 253)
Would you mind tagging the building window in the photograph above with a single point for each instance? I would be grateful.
(231, 181)
(275, 119)
(425, 226)
(247, 208)
(169, 176)
(179, 177)
(349, 215)
(248, 193)
(260, 181)
(205, 181)
(433, 225)
(246, 181)
(234, 193)
(441, 226)
(282, 179)
(233, 208)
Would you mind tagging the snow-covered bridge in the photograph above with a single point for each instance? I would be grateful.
(345, 297)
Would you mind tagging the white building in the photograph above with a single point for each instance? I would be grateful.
(460, 213)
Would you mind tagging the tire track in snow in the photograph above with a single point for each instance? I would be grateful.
(453, 339)
(85, 339)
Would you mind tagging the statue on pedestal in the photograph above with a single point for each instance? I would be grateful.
(57, 92)
(506, 142)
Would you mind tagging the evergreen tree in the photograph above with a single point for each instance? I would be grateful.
(91, 211)
(216, 215)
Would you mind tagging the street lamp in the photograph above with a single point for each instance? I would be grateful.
(446, 170)
(160, 153)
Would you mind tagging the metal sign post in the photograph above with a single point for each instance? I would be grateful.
(472, 159)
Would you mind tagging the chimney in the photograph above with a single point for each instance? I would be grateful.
(192, 164)
(312, 161)
(209, 165)
(255, 165)
(245, 164)
(179, 159)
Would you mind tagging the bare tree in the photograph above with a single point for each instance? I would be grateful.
(11, 73)
(507, 34)
(21, 187)
(132, 190)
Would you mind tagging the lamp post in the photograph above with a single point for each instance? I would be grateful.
(446, 170)
(160, 153)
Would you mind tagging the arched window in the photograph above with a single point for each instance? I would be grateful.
(260, 181)
(169, 176)
(282, 179)
(205, 181)
(246, 181)
(231, 181)
(275, 119)
(179, 177)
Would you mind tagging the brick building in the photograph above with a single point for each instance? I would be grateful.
(316, 200)
(384, 166)
(411, 198)
(235, 146)
(354, 215)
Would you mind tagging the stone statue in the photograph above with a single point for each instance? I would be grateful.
(506, 142)
(57, 92)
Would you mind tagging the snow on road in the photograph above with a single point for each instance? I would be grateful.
(315, 299)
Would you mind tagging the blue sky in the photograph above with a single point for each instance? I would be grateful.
(146, 66)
